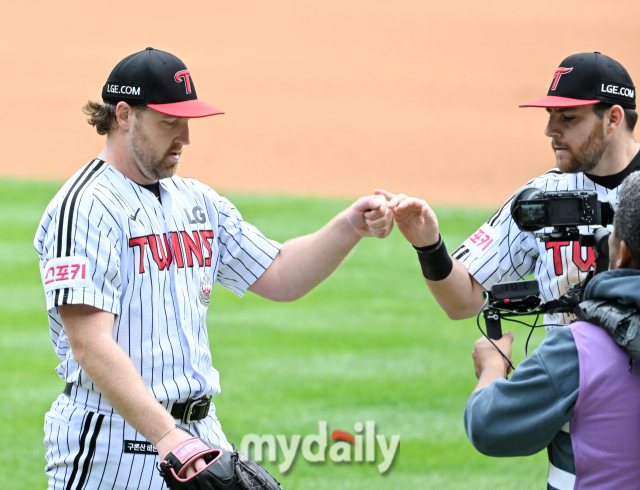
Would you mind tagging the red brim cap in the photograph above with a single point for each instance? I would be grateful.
(188, 108)
(553, 102)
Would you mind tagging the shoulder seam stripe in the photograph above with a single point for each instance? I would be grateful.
(64, 206)
(90, 172)
(73, 202)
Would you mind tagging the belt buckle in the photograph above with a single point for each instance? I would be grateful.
(198, 404)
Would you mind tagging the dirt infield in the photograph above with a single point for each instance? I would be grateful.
(328, 97)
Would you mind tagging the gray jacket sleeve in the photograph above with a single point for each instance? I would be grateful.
(521, 416)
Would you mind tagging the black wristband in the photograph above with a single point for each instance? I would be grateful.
(435, 261)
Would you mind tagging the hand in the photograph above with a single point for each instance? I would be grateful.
(170, 441)
(415, 219)
(486, 357)
(370, 216)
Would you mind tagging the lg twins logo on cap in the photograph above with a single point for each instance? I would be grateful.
(183, 75)
(556, 77)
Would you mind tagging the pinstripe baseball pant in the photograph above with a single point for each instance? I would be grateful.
(89, 449)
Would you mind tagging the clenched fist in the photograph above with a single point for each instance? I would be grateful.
(415, 219)
(370, 216)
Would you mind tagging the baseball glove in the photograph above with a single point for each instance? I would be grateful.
(225, 470)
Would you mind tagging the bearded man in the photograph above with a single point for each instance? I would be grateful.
(591, 106)
(129, 252)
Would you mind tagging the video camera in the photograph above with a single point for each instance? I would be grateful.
(557, 214)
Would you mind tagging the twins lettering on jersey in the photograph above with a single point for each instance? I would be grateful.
(585, 265)
(193, 244)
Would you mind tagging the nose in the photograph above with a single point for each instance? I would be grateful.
(183, 135)
(552, 130)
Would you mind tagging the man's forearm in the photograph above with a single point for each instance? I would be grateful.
(489, 375)
(459, 295)
(111, 370)
(306, 261)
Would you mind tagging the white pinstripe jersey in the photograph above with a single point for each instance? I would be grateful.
(105, 241)
(500, 252)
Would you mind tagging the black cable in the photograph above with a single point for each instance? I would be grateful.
(519, 321)
(534, 325)
(514, 313)
(487, 337)
(526, 345)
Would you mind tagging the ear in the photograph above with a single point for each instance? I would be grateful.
(625, 259)
(123, 115)
(616, 118)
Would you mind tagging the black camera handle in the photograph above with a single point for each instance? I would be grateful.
(492, 323)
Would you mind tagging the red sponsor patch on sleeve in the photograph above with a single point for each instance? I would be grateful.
(66, 272)
(482, 240)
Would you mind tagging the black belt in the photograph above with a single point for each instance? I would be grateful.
(191, 410)
(187, 412)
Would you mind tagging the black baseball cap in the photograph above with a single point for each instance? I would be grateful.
(158, 80)
(586, 79)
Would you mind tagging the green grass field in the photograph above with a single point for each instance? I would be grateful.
(368, 344)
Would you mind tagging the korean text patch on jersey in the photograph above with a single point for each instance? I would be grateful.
(66, 272)
(482, 240)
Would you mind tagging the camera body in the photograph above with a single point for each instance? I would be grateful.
(535, 210)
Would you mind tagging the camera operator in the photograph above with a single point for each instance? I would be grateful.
(578, 394)
(591, 106)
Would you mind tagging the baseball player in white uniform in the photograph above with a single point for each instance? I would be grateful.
(591, 106)
(128, 255)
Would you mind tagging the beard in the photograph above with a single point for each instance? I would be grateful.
(152, 163)
(588, 155)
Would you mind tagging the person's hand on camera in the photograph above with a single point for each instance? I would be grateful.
(489, 364)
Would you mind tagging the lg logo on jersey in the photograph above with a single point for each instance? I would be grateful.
(198, 215)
